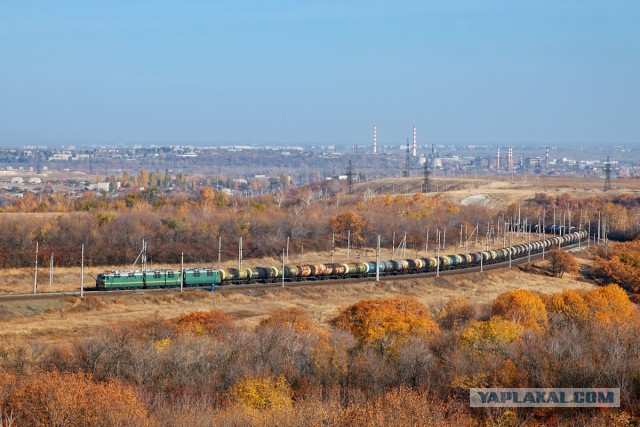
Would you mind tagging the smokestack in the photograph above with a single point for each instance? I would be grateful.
(498, 159)
(415, 147)
(546, 163)
(510, 158)
(375, 147)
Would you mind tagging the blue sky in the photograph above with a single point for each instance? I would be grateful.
(319, 72)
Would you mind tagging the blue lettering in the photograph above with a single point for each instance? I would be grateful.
(553, 397)
(505, 396)
(540, 397)
(493, 397)
(608, 398)
(483, 396)
(578, 397)
(591, 397)
(528, 397)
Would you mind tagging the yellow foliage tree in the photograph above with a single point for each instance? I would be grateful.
(490, 336)
(263, 393)
(386, 323)
(569, 304)
(455, 313)
(523, 307)
(610, 304)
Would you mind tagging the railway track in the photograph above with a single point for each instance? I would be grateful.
(232, 288)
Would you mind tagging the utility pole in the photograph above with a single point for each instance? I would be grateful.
(219, 250)
(426, 246)
(348, 243)
(444, 239)
(333, 245)
(378, 261)
(438, 256)
(35, 272)
(181, 271)
(240, 253)
(283, 267)
(82, 273)
(51, 271)
(407, 162)
(509, 250)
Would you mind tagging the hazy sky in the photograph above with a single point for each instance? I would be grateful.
(319, 72)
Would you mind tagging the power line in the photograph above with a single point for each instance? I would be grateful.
(350, 178)
(426, 173)
(607, 175)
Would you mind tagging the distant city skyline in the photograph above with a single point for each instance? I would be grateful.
(496, 72)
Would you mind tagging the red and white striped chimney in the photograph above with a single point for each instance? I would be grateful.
(375, 147)
(415, 147)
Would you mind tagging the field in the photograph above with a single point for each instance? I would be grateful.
(500, 193)
(70, 317)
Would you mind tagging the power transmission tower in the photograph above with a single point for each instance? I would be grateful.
(607, 175)
(350, 178)
(407, 162)
(426, 173)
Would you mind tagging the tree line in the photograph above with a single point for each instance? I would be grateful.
(378, 362)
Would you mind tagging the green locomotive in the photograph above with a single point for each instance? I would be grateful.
(150, 279)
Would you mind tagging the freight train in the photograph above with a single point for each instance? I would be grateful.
(167, 278)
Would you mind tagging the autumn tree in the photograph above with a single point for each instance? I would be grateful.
(212, 323)
(72, 399)
(295, 318)
(620, 264)
(522, 307)
(561, 262)
(263, 393)
(568, 304)
(385, 324)
(455, 313)
(492, 335)
(348, 222)
(610, 304)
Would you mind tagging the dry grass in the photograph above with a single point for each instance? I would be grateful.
(502, 193)
(57, 321)
(68, 279)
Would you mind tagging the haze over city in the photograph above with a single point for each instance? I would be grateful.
(494, 72)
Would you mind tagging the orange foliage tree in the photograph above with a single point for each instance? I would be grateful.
(523, 307)
(561, 262)
(620, 264)
(72, 399)
(385, 324)
(295, 318)
(347, 222)
(212, 323)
